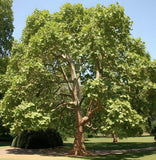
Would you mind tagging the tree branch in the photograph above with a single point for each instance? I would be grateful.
(65, 94)
(91, 126)
(67, 80)
(63, 104)
(82, 100)
(91, 104)
(57, 89)
(91, 113)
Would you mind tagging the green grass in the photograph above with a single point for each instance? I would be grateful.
(103, 143)
(146, 155)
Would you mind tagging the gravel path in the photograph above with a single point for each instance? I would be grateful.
(16, 153)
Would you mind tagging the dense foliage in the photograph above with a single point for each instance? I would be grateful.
(6, 39)
(73, 64)
(6, 27)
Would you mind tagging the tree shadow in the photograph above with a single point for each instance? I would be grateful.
(118, 146)
(57, 151)
(41, 152)
(105, 150)
(127, 156)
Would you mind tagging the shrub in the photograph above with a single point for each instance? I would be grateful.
(38, 139)
(153, 132)
(4, 133)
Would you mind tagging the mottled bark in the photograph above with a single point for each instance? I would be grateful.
(79, 141)
(75, 89)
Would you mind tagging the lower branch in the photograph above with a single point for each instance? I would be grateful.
(63, 104)
(91, 113)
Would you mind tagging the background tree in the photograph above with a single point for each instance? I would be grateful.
(151, 98)
(6, 31)
(70, 65)
(6, 38)
(4, 132)
(6, 27)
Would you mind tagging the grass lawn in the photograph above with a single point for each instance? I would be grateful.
(128, 143)
(103, 143)
(146, 155)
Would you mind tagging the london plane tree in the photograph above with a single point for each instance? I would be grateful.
(73, 63)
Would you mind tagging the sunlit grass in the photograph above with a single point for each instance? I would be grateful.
(106, 139)
(102, 143)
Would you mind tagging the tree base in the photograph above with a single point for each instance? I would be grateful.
(115, 140)
(78, 152)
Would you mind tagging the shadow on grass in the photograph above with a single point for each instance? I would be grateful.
(118, 146)
(58, 151)
(128, 156)
(63, 151)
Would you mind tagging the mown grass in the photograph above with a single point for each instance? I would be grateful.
(145, 155)
(103, 143)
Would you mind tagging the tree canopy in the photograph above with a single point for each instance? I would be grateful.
(6, 39)
(6, 27)
(72, 64)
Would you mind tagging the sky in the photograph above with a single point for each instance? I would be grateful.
(141, 12)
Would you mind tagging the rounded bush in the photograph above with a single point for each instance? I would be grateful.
(153, 130)
(38, 139)
(4, 133)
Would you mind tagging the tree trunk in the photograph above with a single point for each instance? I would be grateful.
(79, 141)
(115, 140)
(79, 145)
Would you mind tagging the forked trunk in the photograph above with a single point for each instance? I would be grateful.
(79, 145)
(79, 141)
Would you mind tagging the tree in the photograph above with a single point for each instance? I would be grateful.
(151, 98)
(6, 27)
(73, 63)
(3, 66)
(6, 30)
(130, 89)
